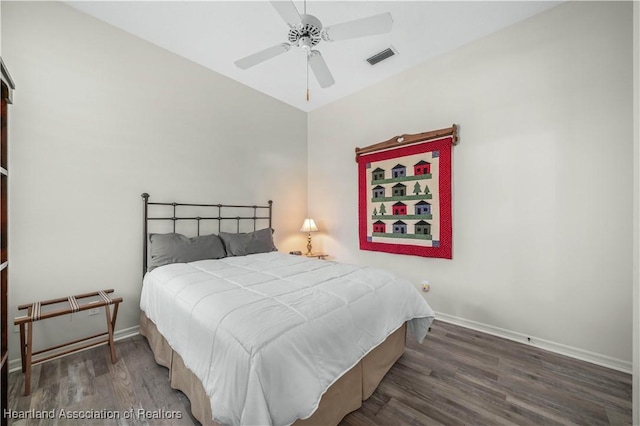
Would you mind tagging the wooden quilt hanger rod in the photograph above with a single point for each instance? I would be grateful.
(410, 139)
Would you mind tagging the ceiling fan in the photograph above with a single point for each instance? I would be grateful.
(306, 31)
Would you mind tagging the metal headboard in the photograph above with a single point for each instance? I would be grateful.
(216, 214)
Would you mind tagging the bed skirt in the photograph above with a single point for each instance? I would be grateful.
(344, 396)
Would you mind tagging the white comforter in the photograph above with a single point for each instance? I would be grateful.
(268, 333)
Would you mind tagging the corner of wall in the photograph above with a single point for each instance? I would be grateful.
(636, 214)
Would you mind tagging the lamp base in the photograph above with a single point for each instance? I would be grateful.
(309, 244)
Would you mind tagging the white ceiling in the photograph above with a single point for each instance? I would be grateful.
(217, 33)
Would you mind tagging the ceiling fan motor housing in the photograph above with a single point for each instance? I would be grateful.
(308, 33)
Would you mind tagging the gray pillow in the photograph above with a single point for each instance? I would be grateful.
(176, 248)
(248, 243)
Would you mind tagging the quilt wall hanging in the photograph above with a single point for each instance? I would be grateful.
(404, 194)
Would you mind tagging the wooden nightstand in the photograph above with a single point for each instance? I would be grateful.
(322, 256)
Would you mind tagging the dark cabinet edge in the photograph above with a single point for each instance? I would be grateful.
(6, 78)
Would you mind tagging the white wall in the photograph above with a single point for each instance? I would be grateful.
(542, 177)
(100, 117)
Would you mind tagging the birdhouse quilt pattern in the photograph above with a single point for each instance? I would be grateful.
(404, 199)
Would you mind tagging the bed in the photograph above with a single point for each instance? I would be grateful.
(255, 336)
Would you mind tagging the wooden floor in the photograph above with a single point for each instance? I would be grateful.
(458, 376)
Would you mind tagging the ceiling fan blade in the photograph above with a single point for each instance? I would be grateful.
(287, 11)
(262, 56)
(320, 69)
(377, 24)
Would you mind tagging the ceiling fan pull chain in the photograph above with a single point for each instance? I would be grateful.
(307, 72)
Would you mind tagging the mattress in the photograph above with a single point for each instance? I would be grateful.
(267, 334)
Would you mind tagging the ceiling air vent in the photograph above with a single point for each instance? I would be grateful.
(381, 56)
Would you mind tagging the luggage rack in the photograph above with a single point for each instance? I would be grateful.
(35, 312)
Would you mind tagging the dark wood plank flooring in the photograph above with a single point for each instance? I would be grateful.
(458, 376)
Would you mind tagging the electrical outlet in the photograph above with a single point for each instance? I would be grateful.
(94, 311)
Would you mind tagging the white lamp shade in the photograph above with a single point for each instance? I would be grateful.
(309, 225)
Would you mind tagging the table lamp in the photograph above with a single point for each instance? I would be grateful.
(309, 226)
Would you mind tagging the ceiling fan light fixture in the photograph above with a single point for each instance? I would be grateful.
(310, 29)
(305, 43)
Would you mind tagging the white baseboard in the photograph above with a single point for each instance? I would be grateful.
(16, 364)
(581, 354)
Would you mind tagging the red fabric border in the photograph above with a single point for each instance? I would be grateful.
(446, 235)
